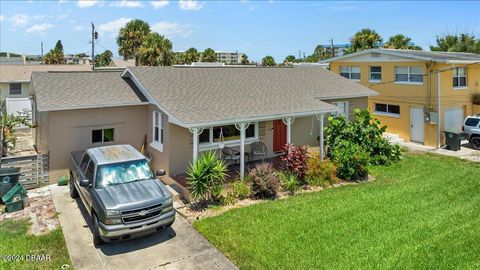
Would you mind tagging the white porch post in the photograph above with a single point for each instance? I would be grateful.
(288, 122)
(242, 127)
(322, 151)
(195, 132)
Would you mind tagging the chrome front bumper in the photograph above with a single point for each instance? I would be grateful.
(144, 227)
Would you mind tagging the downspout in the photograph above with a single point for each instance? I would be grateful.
(439, 111)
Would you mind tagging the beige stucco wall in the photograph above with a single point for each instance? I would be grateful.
(61, 132)
(5, 90)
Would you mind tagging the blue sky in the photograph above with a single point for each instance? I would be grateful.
(277, 28)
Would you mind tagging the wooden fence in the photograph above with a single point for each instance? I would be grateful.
(34, 168)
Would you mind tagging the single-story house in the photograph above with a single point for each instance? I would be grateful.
(175, 113)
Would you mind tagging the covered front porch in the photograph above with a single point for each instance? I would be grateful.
(243, 143)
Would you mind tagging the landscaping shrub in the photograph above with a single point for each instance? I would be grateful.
(320, 172)
(240, 189)
(289, 182)
(207, 175)
(295, 159)
(476, 99)
(365, 131)
(352, 161)
(265, 181)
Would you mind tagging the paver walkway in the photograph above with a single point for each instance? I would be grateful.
(179, 247)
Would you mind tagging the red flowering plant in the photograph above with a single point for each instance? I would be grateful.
(295, 160)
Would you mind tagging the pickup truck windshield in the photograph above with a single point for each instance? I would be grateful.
(124, 172)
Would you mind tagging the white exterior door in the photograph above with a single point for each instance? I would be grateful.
(454, 119)
(416, 125)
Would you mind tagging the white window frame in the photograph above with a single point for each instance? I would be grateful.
(350, 72)
(409, 73)
(460, 76)
(370, 77)
(10, 89)
(397, 115)
(103, 135)
(216, 145)
(158, 144)
(346, 109)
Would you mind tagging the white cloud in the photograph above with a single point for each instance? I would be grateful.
(78, 28)
(172, 29)
(113, 26)
(190, 5)
(159, 4)
(39, 28)
(2, 18)
(126, 4)
(36, 17)
(20, 19)
(87, 3)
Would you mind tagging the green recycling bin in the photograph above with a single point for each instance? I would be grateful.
(8, 179)
(453, 139)
(14, 193)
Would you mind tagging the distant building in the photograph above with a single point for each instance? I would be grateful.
(337, 48)
(119, 62)
(7, 58)
(229, 58)
(77, 59)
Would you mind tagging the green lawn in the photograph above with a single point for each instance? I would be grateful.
(422, 213)
(15, 241)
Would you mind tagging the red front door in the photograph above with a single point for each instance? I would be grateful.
(279, 135)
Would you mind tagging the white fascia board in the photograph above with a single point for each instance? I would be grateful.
(151, 99)
(259, 118)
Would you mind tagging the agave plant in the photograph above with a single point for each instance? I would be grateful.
(207, 175)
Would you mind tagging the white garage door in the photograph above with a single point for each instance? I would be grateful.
(454, 119)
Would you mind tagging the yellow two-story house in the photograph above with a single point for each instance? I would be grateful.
(422, 93)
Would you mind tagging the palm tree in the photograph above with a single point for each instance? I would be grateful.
(245, 60)
(400, 41)
(268, 61)
(364, 39)
(457, 43)
(209, 55)
(156, 50)
(191, 55)
(130, 38)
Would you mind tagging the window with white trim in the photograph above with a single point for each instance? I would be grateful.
(459, 77)
(409, 74)
(228, 134)
(391, 109)
(103, 135)
(343, 105)
(157, 131)
(352, 73)
(376, 74)
(15, 89)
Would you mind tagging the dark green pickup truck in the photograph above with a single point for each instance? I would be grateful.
(121, 193)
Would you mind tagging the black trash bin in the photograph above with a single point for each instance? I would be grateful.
(8, 179)
(453, 139)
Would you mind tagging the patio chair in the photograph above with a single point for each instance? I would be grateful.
(230, 155)
(259, 149)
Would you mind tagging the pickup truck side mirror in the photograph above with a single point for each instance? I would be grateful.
(84, 183)
(160, 172)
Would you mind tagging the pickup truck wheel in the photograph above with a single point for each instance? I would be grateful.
(73, 189)
(475, 142)
(96, 231)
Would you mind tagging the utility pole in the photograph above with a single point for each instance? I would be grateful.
(94, 37)
(331, 48)
(41, 52)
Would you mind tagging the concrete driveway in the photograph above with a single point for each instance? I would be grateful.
(179, 247)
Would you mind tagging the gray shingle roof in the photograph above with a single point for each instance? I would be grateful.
(443, 57)
(23, 73)
(56, 91)
(208, 95)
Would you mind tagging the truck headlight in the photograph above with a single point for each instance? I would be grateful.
(111, 221)
(112, 213)
(168, 201)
